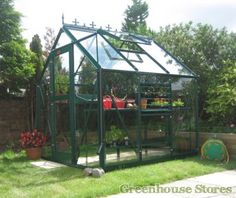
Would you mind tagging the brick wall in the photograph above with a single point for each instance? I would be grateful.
(12, 121)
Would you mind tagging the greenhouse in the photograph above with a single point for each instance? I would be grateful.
(115, 99)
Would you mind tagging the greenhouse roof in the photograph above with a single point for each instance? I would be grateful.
(113, 50)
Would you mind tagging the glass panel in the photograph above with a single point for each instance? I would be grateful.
(118, 34)
(120, 129)
(86, 110)
(132, 38)
(61, 71)
(86, 81)
(148, 65)
(78, 57)
(108, 58)
(183, 117)
(85, 74)
(156, 137)
(133, 57)
(168, 62)
(90, 45)
(63, 40)
(121, 141)
(78, 34)
(43, 111)
(183, 96)
(139, 40)
(62, 133)
(122, 84)
(46, 76)
(86, 134)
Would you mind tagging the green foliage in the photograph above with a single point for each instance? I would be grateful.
(62, 83)
(37, 63)
(122, 84)
(16, 66)
(114, 134)
(200, 47)
(178, 103)
(135, 16)
(87, 77)
(216, 127)
(222, 95)
(9, 22)
(15, 60)
(36, 48)
(124, 45)
(61, 75)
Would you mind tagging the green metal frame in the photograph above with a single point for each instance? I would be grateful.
(72, 98)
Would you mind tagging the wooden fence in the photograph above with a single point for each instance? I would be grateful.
(229, 140)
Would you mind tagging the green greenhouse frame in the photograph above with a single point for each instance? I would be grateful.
(115, 99)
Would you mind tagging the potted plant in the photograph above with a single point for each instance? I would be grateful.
(114, 136)
(160, 103)
(178, 103)
(32, 142)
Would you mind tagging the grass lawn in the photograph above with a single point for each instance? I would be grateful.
(18, 178)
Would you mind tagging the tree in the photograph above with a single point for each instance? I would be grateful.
(202, 48)
(9, 22)
(36, 48)
(222, 95)
(15, 60)
(135, 16)
(16, 67)
(49, 39)
(37, 61)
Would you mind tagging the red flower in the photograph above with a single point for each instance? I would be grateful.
(29, 139)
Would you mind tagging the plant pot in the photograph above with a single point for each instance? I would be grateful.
(34, 153)
(107, 102)
(120, 104)
(143, 103)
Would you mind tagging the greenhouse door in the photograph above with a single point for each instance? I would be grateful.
(62, 105)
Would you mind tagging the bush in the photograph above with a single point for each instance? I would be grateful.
(222, 95)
